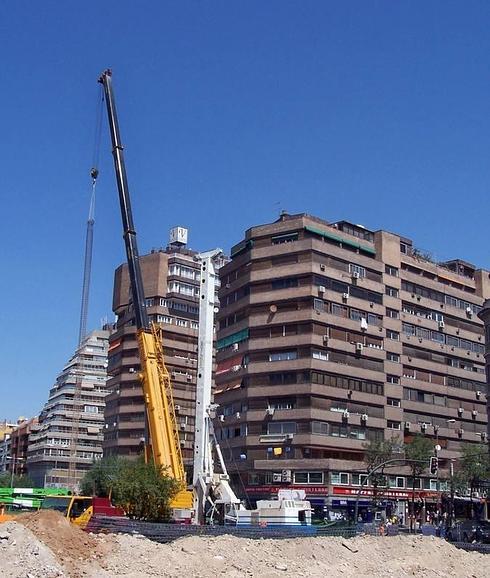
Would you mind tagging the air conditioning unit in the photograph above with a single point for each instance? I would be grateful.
(131, 370)
(423, 426)
(183, 425)
(276, 478)
(177, 407)
(364, 324)
(483, 436)
(461, 432)
(469, 311)
(325, 339)
(221, 417)
(364, 417)
(460, 410)
(236, 368)
(322, 267)
(270, 411)
(188, 377)
(182, 443)
(321, 289)
(237, 415)
(345, 296)
(355, 275)
(345, 414)
(407, 425)
(478, 394)
(441, 324)
(474, 413)
(235, 347)
(359, 347)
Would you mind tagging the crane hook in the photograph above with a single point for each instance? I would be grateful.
(94, 173)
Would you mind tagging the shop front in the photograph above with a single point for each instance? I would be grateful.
(316, 495)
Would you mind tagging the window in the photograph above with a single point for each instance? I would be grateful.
(393, 313)
(319, 354)
(393, 401)
(393, 357)
(392, 379)
(359, 479)
(283, 355)
(289, 238)
(149, 302)
(181, 323)
(340, 478)
(286, 403)
(308, 477)
(318, 305)
(390, 334)
(91, 409)
(319, 427)
(357, 269)
(281, 427)
(164, 319)
(391, 270)
(163, 302)
(393, 424)
(391, 291)
(284, 283)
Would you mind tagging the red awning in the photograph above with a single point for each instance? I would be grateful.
(232, 363)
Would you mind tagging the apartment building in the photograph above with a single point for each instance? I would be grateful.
(331, 335)
(68, 437)
(19, 444)
(171, 286)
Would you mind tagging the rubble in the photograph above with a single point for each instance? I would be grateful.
(45, 545)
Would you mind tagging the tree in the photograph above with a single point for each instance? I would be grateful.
(142, 490)
(99, 480)
(418, 453)
(474, 467)
(17, 482)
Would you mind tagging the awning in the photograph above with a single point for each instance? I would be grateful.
(231, 339)
(232, 363)
(227, 386)
(339, 239)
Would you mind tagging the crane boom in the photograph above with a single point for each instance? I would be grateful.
(157, 391)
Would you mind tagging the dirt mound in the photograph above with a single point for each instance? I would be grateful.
(370, 557)
(72, 546)
(22, 555)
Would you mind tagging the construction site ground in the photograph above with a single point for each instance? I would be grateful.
(45, 545)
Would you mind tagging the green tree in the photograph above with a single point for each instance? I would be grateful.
(417, 454)
(18, 481)
(99, 480)
(144, 491)
(474, 466)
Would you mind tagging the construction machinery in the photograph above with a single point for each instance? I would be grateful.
(162, 443)
(212, 498)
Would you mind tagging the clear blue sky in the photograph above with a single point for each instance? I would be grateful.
(372, 111)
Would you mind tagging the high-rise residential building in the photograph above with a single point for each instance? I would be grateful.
(332, 335)
(171, 288)
(19, 444)
(68, 437)
(6, 429)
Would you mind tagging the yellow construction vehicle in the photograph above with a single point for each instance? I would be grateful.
(163, 443)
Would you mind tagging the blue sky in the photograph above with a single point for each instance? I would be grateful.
(372, 111)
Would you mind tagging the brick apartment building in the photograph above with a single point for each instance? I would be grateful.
(331, 335)
(171, 286)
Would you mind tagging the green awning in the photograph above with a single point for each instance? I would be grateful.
(339, 239)
(231, 339)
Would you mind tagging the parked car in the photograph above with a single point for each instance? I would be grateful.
(470, 531)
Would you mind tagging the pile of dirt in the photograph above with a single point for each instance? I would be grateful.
(368, 556)
(45, 545)
(72, 547)
(22, 555)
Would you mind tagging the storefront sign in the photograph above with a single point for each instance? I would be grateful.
(383, 493)
(310, 490)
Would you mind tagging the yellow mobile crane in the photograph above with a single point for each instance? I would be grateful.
(163, 443)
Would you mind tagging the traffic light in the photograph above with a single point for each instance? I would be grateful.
(434, 466)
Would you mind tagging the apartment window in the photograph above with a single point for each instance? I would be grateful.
(281, 427)
(181, 323)
(319, 427)
(286, 403)
(339, 310)
(391, 270)
(283, 355)
(164, 319)
(396, 482)
(280, 239)
(163, 302)
(318, 305)
(390, 334)
(393, 401)
(357, 269)
(91, 409)
(318, 354)
(393, 357)
(393, 424)
(149, 302)
(340, 478)
(338, 431)
(391, 291)
(359, 479)
(308, 477)
(393, 313)
(194, 325)
(284, 283)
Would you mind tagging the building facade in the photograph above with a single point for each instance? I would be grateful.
(171, 286)
(332, 335)
(19, 445)
(68, 437)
